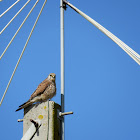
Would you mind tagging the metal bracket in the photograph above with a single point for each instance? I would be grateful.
(20, 120)
(62, 114)
(32, 130)
(36, 124)
(64, 6)
(65, 113)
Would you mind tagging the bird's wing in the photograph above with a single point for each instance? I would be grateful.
(41, 88)
(26, 104)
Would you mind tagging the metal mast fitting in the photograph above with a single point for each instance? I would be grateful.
(32, 130)
(65, 113)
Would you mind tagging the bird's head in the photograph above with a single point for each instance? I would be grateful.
(52, 76)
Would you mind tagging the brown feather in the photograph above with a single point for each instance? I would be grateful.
(24, 105)
(41, 88)
(45, 90)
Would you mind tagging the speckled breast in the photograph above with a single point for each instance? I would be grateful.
(50, 91)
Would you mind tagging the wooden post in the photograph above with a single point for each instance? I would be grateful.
(48, 114)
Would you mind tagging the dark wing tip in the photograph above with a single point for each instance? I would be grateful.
(18, 109)
(24, 103)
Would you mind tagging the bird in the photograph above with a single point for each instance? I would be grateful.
(45, 91)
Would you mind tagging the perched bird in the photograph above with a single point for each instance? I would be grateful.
(45, 90)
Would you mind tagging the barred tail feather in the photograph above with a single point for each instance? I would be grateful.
(26, 104)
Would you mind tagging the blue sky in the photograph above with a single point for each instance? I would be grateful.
(101, 80)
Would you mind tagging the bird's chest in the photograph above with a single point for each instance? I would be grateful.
(50, 90)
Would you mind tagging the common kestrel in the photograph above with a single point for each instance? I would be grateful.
(45, 90)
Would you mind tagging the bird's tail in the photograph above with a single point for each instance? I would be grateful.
(24, 105)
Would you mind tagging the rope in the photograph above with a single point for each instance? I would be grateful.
(14, 16)
(125, 47)
(9, 8)
(19, 29)
(23, 51)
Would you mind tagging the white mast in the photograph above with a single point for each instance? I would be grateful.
(62, 64)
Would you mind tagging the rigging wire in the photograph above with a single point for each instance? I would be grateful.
(9, 8)
(19, 29)
(125, 47)
(14, 16)
(22, 51)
